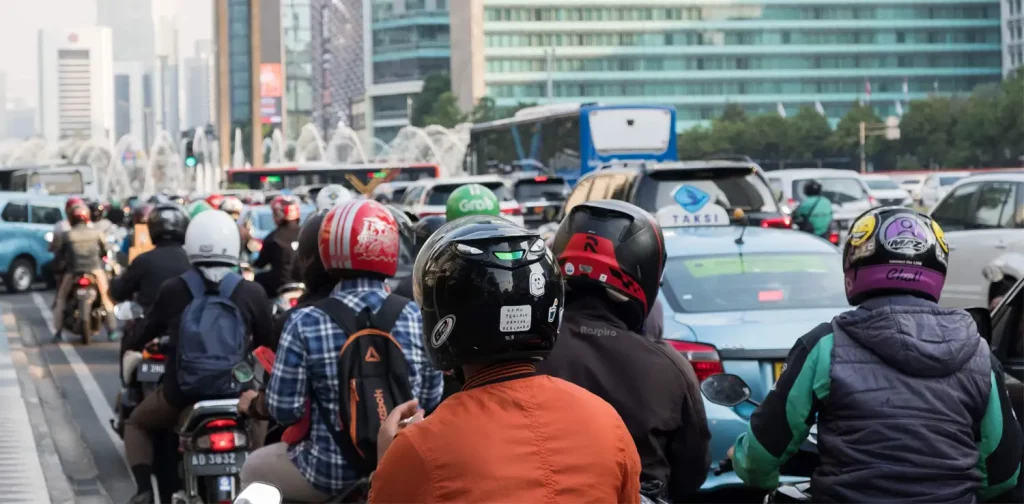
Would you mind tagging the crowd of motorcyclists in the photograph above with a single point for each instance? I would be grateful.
(508, 393)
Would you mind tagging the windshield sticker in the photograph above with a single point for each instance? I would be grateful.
(905, 234)
(691, 198)
(720, 266)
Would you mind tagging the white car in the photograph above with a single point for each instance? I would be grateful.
(937, 185)
(909, 181)
(844, 188)
(886, 190)
(429, 196)
(982, 218)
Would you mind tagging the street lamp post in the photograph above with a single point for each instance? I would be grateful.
(890, 129)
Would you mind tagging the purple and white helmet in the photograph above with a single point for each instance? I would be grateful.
(894, 250)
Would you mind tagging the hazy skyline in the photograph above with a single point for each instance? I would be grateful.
(19, 34)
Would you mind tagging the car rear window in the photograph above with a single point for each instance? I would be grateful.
(439, 193)
(730, 188)
(879, 184)
(755, 282)
(950, 180)
(838, 190)
(551, 189)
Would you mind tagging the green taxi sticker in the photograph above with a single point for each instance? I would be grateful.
(735, 265)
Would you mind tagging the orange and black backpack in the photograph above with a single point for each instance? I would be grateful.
(373, 373)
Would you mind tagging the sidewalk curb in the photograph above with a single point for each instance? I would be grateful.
(68, 466)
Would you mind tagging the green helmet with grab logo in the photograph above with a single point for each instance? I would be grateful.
(198, 207)
(471, 199)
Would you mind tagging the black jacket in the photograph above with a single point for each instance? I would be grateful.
(147, 272)
(165, 316)
(278, 252)
(653, 388)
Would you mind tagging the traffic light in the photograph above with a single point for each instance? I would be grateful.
(190, 155)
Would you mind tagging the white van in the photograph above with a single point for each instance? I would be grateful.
(55, 180)
(846, 190)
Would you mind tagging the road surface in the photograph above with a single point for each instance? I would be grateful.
(83, 384)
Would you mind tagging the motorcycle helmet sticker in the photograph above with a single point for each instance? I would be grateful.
(515, 318)
(863, 229)
(905, 234)
(442, 330)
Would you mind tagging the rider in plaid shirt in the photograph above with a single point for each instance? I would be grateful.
(307, 357)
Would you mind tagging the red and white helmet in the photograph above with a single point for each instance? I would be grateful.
(284, 209)
(360, 235)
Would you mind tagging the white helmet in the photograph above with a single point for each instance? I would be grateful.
(331, 196)
(213, 237)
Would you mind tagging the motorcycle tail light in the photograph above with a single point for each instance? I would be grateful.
(222, 441)
(146, 355)
(84, 282)
(221, 423)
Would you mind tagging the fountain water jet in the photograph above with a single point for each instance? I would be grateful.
(345, 146)
(310, 144)
(238, 155)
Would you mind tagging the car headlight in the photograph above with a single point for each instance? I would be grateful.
(48, 237)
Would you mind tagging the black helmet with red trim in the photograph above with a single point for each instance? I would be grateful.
(616, 247)
(489, 292)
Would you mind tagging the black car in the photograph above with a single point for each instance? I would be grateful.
(1003, 328)
(735, 185)
(540, 196)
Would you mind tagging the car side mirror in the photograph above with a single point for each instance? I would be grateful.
(983, 319)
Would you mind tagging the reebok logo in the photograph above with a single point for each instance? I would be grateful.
(382, 409)
(371, 356)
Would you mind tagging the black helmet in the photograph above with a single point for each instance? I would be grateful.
(489, 292)
(307, 258)
(613, 245)
(97, 210)
(167, 221)
(405, 225)
(812, 188)
(425, 228)
(894, 250)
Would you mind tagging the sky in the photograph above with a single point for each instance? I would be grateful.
(21, 22)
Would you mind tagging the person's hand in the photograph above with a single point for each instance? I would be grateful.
(401, 417)
(245, 401)
(732, 450)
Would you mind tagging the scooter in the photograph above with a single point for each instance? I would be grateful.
(84, 312)
(214, 444)
(730, 390)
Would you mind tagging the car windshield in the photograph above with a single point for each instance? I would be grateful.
(531, 190)
(439, 194)
(730, 188)
(879, 184)
(265, 220)
(950, 180)
(837, 190)
(755, 282)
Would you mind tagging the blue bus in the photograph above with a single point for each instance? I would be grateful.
(570, 139)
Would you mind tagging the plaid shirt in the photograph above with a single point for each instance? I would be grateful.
(307, 358)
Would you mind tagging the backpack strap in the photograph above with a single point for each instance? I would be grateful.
(195, 283)
(341, 314)
(228, 284)
(387, 316)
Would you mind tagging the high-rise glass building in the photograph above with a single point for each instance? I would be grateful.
(407, 40)
(1013, 34)
(297, 37)
(701, 55)
(338, 73)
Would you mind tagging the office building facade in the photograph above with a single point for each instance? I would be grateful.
(134, 110)
(406, 41)
(199, 86)
(338, 75)
(76, 84)
(699, 57)
(297, 39)
(133, 33)
(1012, 12)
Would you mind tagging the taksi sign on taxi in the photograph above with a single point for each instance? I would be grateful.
(694, 208)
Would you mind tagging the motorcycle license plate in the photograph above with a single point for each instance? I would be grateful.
(215, 464)
(779, 368)
(150, 371)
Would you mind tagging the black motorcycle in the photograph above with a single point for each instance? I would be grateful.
(83, 309)
(730, 390)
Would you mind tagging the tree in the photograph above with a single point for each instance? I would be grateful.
(733, 113)
(434, 85)
(446, 112)
(809, 132)
(485, 110)
(845, 140)
(926, 131)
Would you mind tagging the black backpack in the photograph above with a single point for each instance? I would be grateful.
(374, 377)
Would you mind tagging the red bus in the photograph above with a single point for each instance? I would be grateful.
(362, 178)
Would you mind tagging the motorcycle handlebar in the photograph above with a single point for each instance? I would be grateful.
(724, 466)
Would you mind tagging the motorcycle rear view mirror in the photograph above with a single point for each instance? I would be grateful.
(725, 389)
(123, 311)
(259, 493)
(243, 372)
